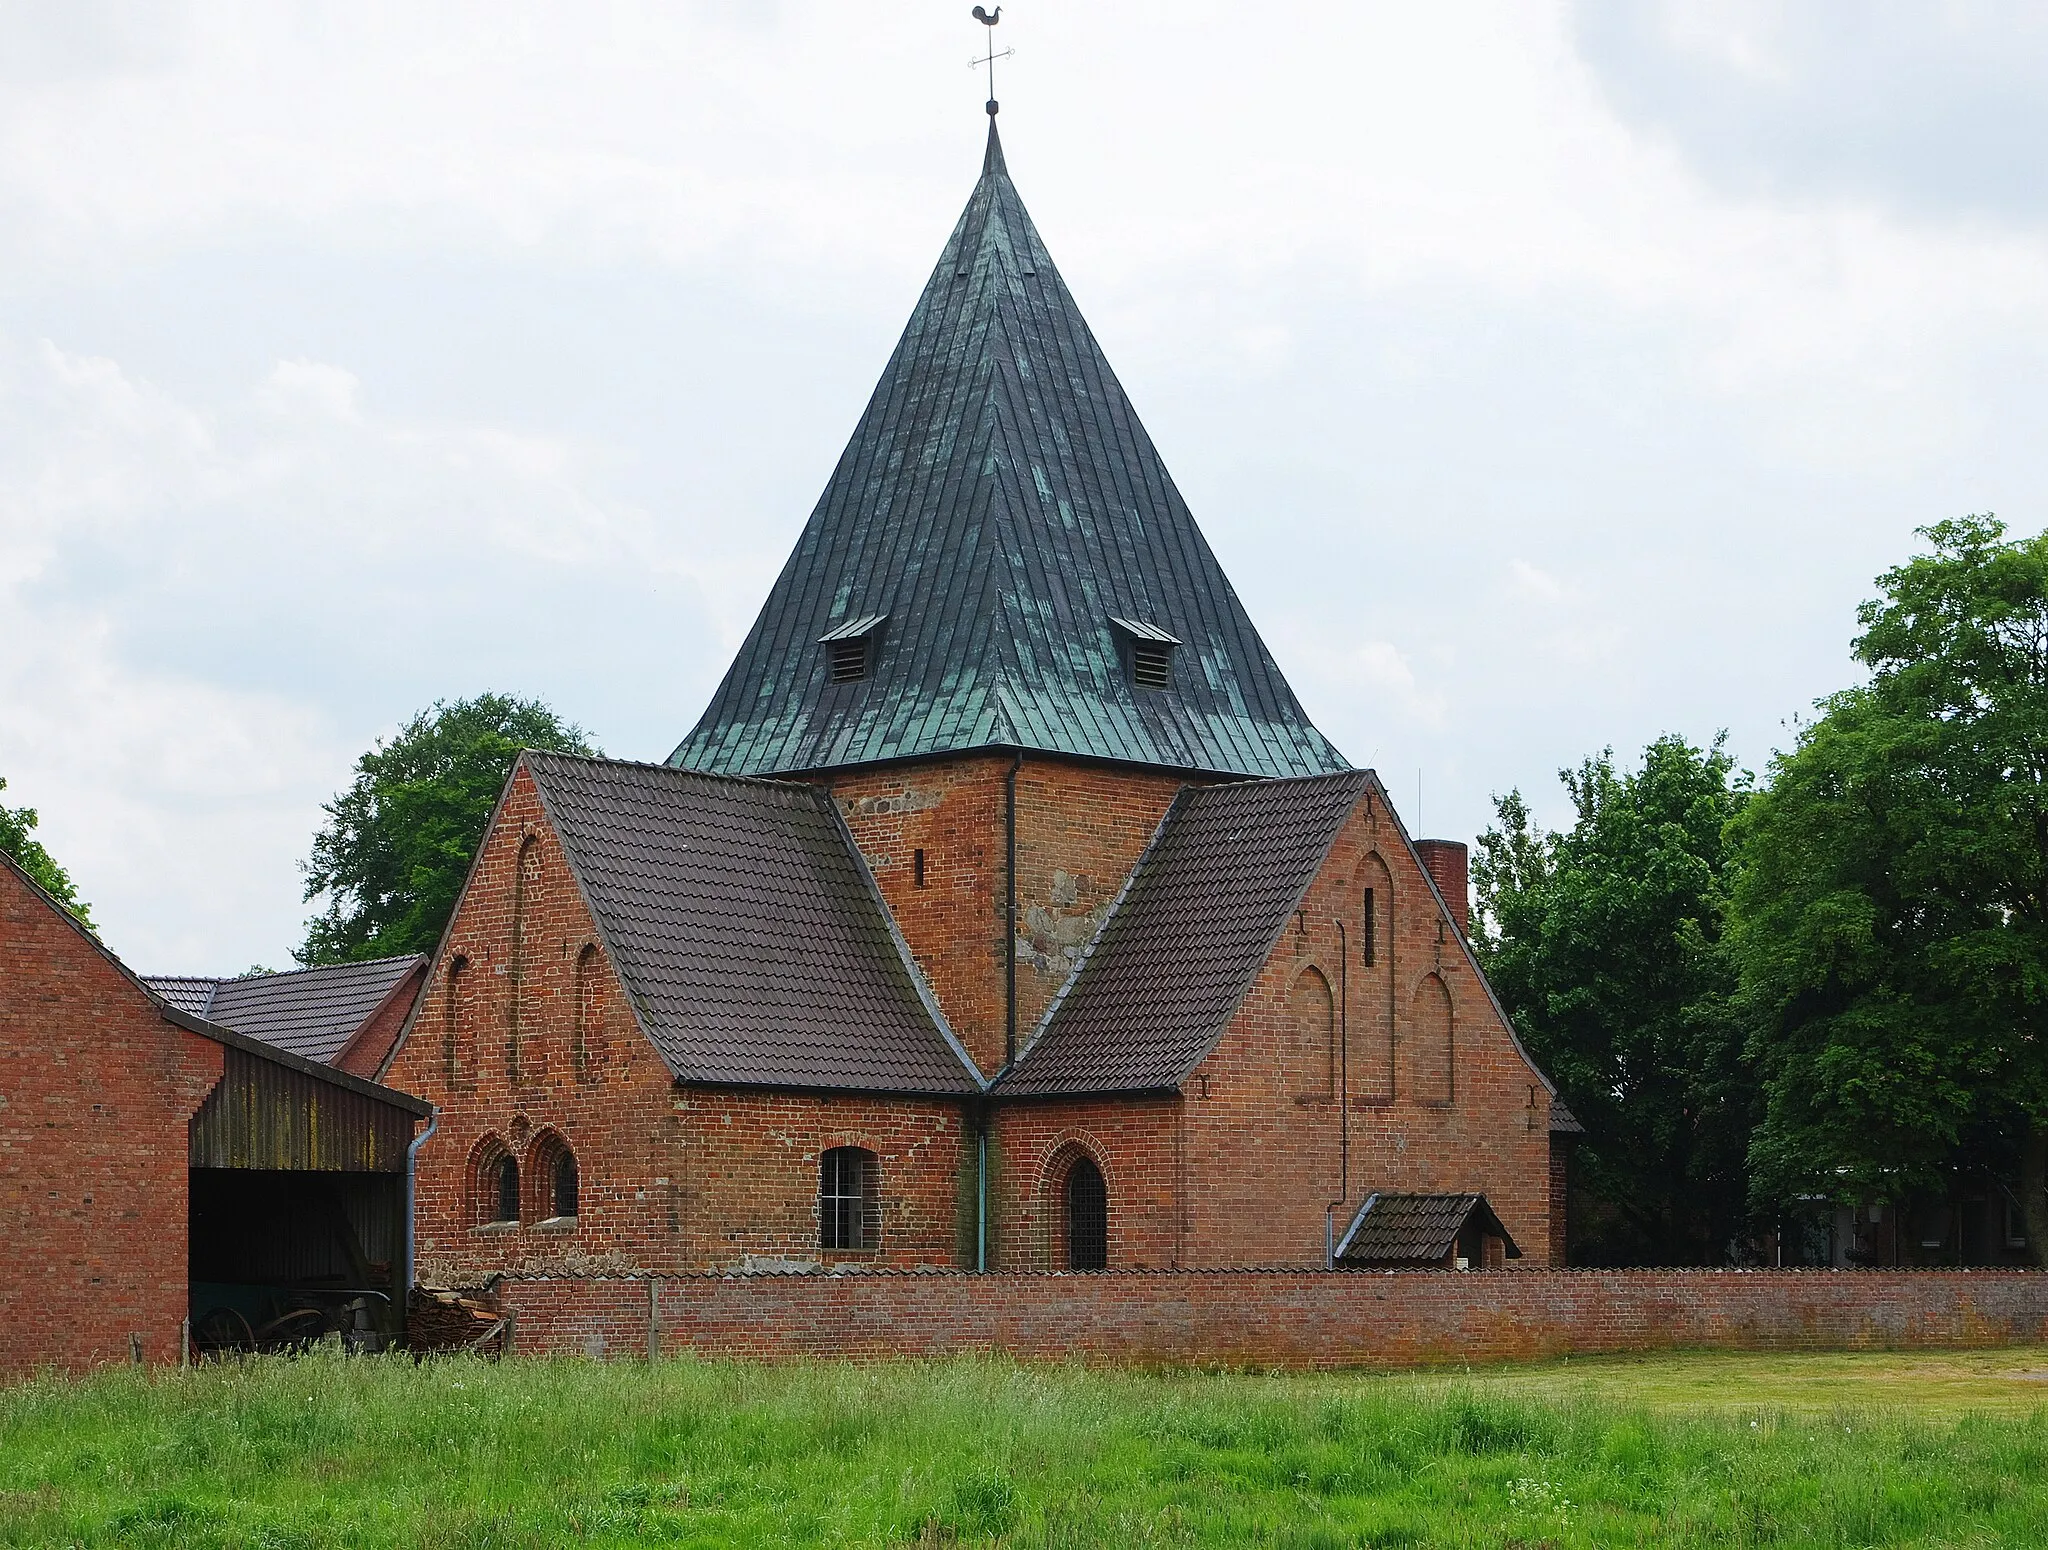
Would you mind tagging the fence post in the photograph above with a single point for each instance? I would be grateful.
(185, 1341)
(654, 1318)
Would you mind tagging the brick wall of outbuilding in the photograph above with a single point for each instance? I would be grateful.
(1281, 1318)
(96, 1090)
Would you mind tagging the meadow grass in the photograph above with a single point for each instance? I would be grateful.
(1909, 1449)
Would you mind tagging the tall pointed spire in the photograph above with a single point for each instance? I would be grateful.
(1002, 560)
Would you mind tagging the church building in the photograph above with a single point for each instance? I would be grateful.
(1004, 910)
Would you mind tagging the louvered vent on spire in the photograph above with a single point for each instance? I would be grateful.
(1003, 508)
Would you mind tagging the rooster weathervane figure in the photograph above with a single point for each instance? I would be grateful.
(989, 19)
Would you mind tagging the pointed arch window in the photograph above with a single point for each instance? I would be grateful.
(525, 894)
(458, 1051)
(589, 1012)
(1085, 1196)
(494, 1184)
(555, 1181)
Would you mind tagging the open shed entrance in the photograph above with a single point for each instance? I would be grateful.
(298, 1207)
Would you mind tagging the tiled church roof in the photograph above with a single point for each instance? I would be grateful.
(998, 507)
(1190, 934)
(747, 930)
(310, 1012)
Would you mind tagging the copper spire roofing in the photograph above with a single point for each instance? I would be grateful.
(1000, 507)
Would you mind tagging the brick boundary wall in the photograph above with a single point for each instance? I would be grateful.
(1275, 1318)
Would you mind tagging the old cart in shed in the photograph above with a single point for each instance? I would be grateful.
(300, 1216)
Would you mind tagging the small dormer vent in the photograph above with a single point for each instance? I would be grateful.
(1151, 653)
(849, 647)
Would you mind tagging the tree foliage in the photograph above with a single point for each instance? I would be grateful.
(18, 841)
(1604, 943)
(1891, 921)
(397, 844)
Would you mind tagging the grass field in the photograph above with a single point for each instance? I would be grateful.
(1909, 1449)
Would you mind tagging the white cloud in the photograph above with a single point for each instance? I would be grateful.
(354, 355)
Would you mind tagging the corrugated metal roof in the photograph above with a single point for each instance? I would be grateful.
(1001, 503)
(747, 930)
(1194, 926)
(1416, 1229)
(311, 1012)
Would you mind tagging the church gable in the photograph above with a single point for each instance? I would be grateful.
(1001, 560)
(1197, 923)
(746, 930)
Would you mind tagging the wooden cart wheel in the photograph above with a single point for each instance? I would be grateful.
(220, 1330)
(297, 1330)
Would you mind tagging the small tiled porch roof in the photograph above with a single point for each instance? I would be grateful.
(1416, 1229)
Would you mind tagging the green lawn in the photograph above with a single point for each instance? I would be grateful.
(1919, 1449)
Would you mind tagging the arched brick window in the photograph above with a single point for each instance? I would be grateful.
(586, 1047)
(494, 1183)
(1373, 1011)
(1312, 1059)
(1430, 1042)
(458, 1042)
(849, 1199)
(1084, 1223)
(525, 893)
(553, 1178)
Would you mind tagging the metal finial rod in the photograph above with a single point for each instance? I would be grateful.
(989, 19)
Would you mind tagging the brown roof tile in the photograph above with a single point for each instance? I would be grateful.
(1415, 1229)
(310, 1012)
(747, 930)
(1189, 935)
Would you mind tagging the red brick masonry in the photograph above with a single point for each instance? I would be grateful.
(1277, 1318)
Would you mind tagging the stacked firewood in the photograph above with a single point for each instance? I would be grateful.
(438, 1319)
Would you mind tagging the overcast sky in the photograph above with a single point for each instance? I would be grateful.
(1546, 377)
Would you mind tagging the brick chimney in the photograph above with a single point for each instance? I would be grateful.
(1448, 864)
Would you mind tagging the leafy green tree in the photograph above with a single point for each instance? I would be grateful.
(1891, 920)
(397, 844)
(18, 842)
(1604, 944)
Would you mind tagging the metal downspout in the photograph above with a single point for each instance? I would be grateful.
(1343, 1097)
(412, 1183)
(1010, 921)
(981, 1194)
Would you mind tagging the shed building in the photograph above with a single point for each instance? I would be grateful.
(156, 1166)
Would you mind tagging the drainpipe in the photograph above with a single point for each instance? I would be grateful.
(1010, 921)
(1343, 1098)
(981, 1192)
(412, 1182)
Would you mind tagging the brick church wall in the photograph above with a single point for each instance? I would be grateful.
(96, 1091)
(1080, 831)
(1136, 1142)
(1246, 1166)
(371, 1045)
(1439, 1098)
(671, 1177)
(1281, 1318)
